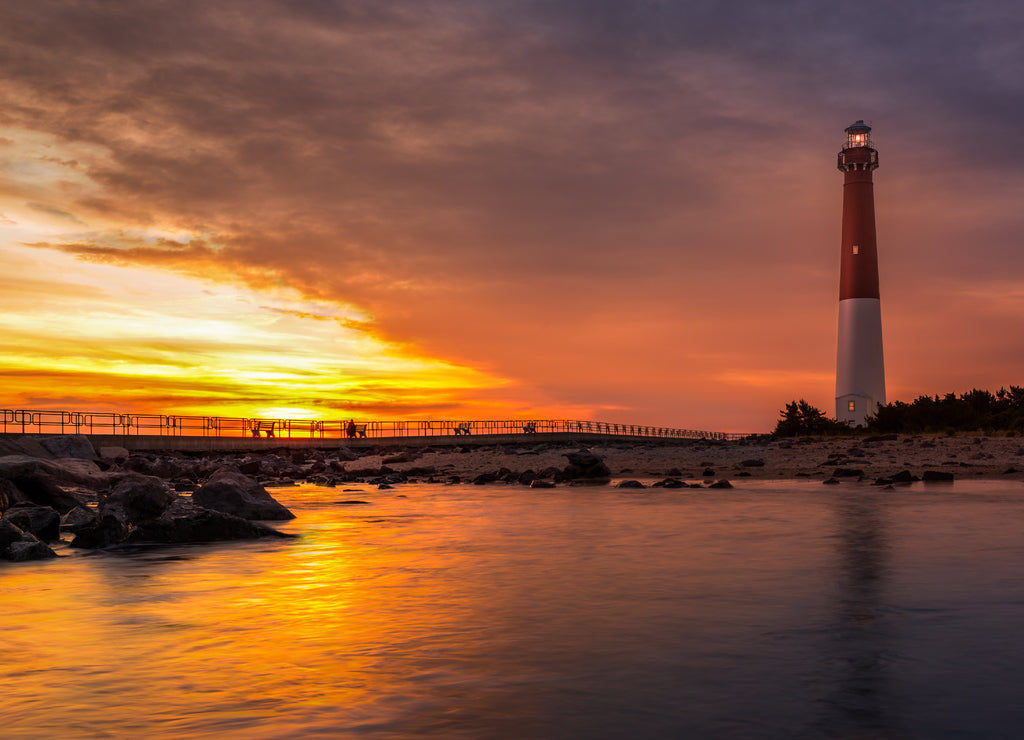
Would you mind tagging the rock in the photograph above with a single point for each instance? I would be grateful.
(721, 484)
(347, 455)
(104, 531)
(77, 519)
(630, 484)
(11, 495)
(42, 490)
(542, 484)
(239, 495)
(830, 482)
(485, 478)
(137, 499)
(19, 546)
(184, 522)
(250, 467)
(526, 477)
(582, 458)
(42, 521)
(754, 463)
(69, 445)
(674, 473)
(904, 476)
(708, 472)
(114, 453)
(931, 476)
(671, 483)
(847, 473)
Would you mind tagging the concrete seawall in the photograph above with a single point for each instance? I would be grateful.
(166, 443)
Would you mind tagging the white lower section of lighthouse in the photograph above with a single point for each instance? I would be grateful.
(860, 371)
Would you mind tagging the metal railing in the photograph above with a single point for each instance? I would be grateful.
(75, 422)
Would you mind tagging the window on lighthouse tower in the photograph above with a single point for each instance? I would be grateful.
(856, 249)
(852, 406)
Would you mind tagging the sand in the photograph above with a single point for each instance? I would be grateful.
(965, 456)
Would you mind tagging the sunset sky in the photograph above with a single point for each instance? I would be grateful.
(623, 211)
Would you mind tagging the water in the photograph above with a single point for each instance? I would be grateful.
(774, 611)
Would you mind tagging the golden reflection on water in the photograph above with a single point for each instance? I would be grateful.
(468, 612)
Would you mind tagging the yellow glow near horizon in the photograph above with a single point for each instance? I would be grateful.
(83, 335)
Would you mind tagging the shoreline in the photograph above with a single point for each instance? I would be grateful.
(854, 458)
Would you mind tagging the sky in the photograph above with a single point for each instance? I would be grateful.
(487, 209)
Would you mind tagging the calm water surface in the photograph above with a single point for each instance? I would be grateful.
(772, 611)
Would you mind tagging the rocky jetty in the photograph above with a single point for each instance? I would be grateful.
(59, 487)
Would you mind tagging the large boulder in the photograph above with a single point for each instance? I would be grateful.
(184, 522)
(234, 493)
(19, 546)
(11, 495)
(137, 499)
(69, 445)
(41, 489)
(42, 521)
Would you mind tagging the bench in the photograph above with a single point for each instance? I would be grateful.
(267, 427)
(356, 430)
(463, 427)
(530, 427)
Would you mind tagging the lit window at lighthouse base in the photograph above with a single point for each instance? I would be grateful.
(852, 406)
(856, 249)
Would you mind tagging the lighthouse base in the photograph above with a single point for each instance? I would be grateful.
(860, 370)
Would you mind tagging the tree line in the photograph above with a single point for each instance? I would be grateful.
(1002, 411)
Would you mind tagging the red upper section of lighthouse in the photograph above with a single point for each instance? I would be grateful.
(858, 276)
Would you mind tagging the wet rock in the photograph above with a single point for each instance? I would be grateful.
(41, 521)
(752, 463)
(674, 473)
(19, 546)
(549, 473)
(526, 477)
(847, 473)
(542, 484)
(485, 478)
(233, 493)
(721, 484)
(830, 482)
(669, 483)
(184, 522)
(630, 484)
(104, 531)
(137, 499)
(904, 476)
(932, 476)
(77, 519)
(708, 472)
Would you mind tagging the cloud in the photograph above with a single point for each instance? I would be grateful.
(616, 192)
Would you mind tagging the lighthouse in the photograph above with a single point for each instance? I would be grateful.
(860, 371)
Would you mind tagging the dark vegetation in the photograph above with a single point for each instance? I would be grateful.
(973, 411)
